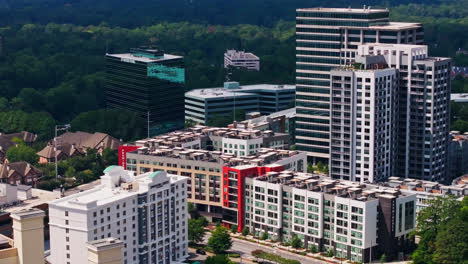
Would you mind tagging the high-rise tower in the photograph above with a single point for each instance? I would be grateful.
(327, 38)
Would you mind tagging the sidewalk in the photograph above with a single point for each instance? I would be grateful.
(300, 252)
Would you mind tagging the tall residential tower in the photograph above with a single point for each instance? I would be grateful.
(327, 38)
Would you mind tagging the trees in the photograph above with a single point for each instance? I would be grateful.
(245, 231)
(218, 259)
(443, 228)
(109, 157)
(21, 152)
(296, 242)
(234, 229)
(192, 211)
(220, 240)
(118, 123)
(313, 249)
(264, 236)
(383, 258)
(196, 231)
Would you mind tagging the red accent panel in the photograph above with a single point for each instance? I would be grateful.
(123, 154)
(241, 175)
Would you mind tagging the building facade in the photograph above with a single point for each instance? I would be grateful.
(327, 38)
(148, 213)
(363, 131)
(423, 121)
(241, 59)
(280, 122)
(350, 218)
(147, 82)
(203, 104)
(458, 155)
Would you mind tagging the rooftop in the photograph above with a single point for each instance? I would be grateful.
(344, 10)
(234, 54)
(129, 57)
(39, 197)
(458, 188)
(323, 183)
(116, 184)
(264, 156)
(244, 90)
(104, 244)
(459, 97)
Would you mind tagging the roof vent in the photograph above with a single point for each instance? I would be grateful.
(231, 85)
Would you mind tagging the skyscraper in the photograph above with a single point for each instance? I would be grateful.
(363, 127)
(327, 38)
(423, 122)
(148, 82)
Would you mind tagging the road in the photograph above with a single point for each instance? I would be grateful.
(244, 248)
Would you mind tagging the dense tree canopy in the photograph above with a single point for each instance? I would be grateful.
(52, 62)
(443, 230)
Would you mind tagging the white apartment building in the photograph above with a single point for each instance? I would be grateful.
(423, 122)
(348, 217)
(146, 212)
(363, 127)
(241, 59)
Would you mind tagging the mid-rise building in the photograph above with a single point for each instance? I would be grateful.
(204, 170)
(280, 122)
(148, 213)
(457, 155)
(201, 105)
(148, 82)
(105, 251)
(241, 59)
(356, 220)
(327, 38)
(428, 190)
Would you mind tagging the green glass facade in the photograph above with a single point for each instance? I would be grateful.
(146, 83)
(326, 39)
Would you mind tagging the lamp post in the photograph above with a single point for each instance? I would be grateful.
(57, 129)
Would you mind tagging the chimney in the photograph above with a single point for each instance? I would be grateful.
(105, 251)
(28, 233)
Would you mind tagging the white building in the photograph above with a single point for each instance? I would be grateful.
(146, 212)
(241, 59)
(363, 127)
(203, 104)
(350, 218)
(423, 122)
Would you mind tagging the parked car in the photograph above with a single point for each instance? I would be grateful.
(201, 252)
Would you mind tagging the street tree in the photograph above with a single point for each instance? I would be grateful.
(196, 231)
(220, 240)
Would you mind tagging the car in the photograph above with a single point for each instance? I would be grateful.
(200, 251)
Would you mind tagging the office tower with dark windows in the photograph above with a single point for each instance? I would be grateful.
(327, 38)
(148, 82)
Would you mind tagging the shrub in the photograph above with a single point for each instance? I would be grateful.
(245, 231)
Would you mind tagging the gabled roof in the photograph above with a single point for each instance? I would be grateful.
(20, 167)
(6, 143)
(86, 140)
(64, 148)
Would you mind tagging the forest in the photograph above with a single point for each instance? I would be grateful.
(52, 53)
